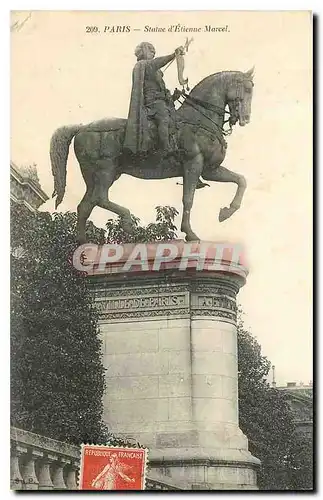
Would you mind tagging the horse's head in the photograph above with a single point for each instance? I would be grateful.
(239, 96)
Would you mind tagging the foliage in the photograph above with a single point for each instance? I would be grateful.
(162, 230)
(301, 476)
(265, 417)
(57, 378)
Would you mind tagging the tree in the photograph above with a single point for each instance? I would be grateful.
(57, 378)
(266, 419)
(161, 230)
(301, 476)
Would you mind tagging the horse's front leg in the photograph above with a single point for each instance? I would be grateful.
(222, 174)
(192, 172)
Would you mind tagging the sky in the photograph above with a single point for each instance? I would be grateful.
(62, 75)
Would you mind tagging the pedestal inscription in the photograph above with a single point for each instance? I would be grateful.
(188, 298)
(149, 304)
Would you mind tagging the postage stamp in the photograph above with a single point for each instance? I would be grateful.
(112, 468)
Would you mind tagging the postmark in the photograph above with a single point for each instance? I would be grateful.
(112, 468)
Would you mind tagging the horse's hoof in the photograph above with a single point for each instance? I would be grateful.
(192, 237)
(225, 213)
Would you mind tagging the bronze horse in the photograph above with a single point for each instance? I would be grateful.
(200, 121)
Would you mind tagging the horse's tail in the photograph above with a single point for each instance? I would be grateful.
(59, 148)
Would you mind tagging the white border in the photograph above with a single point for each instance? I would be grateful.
(5, 7)
(129, 5)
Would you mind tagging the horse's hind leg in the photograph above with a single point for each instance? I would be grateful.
(222, 174)
(192, 171)
(86, 205)
(105, 178)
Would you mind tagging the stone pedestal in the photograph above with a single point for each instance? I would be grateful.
(170, 350)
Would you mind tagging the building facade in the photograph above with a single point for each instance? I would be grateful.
(300, 398)
(25, 187)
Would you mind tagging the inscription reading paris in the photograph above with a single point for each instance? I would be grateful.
(166, 301)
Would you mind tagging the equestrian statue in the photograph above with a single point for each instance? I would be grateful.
(158, 141)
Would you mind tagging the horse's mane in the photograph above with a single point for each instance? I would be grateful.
(209, 80)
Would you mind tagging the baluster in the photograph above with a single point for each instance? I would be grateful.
(45, 481)
(71, 477)
(29, 473)
(58, 476)
(16, 479)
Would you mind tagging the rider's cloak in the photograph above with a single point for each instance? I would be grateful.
(136, 136)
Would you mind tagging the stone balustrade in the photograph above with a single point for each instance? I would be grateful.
(41, 463)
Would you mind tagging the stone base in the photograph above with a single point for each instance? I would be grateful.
(170, 353)
(198, 469)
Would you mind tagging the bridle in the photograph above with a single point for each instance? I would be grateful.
(199, 103)
(233, 111)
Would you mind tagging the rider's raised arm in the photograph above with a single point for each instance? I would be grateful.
(160, 62)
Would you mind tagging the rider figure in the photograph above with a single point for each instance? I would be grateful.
(149, 92)
(150, 99)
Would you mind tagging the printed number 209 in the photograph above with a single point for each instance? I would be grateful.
(92, 29)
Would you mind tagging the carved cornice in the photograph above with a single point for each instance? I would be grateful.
(197, 281)
(147, 290)
(216, 288)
